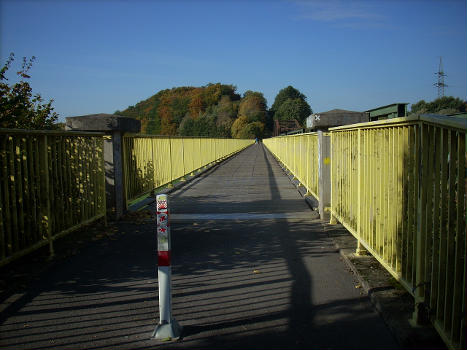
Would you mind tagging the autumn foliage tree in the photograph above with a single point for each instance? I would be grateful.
(19, 108)
(189, 111)
(215, 110)
(253, 106)
(252, 116)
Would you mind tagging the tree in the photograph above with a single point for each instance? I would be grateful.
(251, 131)
(204, 125)
(253, 106)
(164, 112)
(196, 106)
(293, 109)
(19, 108)
(287, 93)
(290, 104)
(242, 129)
(238, 125)
(442, 105)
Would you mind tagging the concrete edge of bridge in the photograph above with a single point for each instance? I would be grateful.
(392, 302)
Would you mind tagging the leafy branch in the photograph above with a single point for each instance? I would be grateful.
(19, 108)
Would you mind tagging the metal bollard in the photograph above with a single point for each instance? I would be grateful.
(168, 328)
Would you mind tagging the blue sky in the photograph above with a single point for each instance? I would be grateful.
(100, 56)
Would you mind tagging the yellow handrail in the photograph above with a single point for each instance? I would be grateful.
(154, 161)
(51, 183)
(299, 153)
(399, 186)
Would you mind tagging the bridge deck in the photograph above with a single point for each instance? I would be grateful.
(251, 269)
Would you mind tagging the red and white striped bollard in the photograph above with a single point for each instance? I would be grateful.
(168, 327)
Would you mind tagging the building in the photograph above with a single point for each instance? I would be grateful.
(394, 110)
(335, 117)
(285, 126)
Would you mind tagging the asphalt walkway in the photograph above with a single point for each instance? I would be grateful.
(252, 269)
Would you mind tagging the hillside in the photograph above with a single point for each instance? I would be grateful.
(213, 110)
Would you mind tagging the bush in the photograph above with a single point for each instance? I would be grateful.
(19, 108)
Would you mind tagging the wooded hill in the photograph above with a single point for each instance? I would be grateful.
(215, 110)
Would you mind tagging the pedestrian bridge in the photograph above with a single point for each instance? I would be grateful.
(251, 264)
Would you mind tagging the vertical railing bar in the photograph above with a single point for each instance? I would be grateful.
(45, 192)
(360, 175)
(3, 221)
(460, 236)
(13, 200)
(23, 198)
(396, 204)
(442, 226)
(435, 224)
(450, 242)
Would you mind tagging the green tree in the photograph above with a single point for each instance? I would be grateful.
(293, 109)
(285, 94)
(443, 105)
(19, 108)
(419, 106)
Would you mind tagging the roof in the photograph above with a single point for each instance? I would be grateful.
(337, 111)
(94, 115)
(392, 104)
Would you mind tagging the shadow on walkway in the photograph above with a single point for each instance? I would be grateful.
(257, 284)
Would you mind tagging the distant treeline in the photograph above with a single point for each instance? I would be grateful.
(216, 110)
(442, 105)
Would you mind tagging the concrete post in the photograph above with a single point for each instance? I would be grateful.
(115, 127)
(324, 172)
(113, 159)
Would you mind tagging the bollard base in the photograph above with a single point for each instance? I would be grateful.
(167, 331)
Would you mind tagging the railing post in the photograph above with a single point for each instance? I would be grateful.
(332, 220)
(183, 161)
(46, 221)
(168, 328)
(420, 315)
(114, 126)
(360, 248)
(324, 172)
(170, 184)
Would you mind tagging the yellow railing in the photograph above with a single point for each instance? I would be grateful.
(399, 187)
(50, 184)
(153, 161)
(299, 153)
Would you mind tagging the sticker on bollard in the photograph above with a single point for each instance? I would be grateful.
(168, 328)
